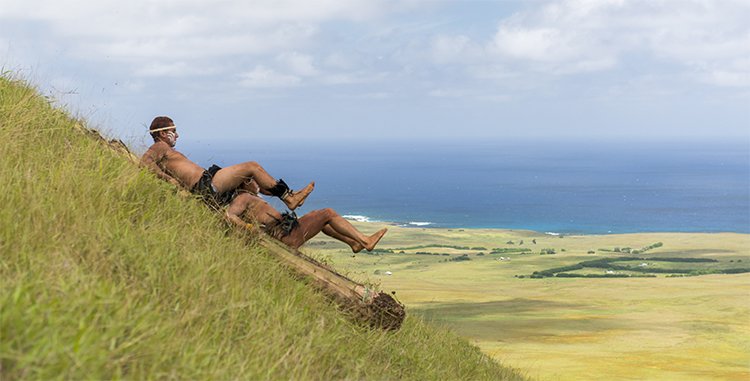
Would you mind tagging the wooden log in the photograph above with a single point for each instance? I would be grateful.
(375, 308)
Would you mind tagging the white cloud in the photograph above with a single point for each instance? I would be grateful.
(299, 64)
(263, 77)
(585, 65)
(495, 98)
(408, 51)
(447, 93)
(375, 95)
(173, 17)
(562, 38)
(536, 44)
(338, 61)
(455, 49)
(141, 34)
(173, 69)
(735, 74)
(580, 36)
(297, 69)
(341, 78)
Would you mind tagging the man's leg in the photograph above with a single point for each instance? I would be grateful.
(331, 232)
(314, 222)
(340, 226)
(230, 178)
(261, 212)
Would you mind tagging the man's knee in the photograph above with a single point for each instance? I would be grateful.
(329, 213)
(251, 166)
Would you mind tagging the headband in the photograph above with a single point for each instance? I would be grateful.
(162, 129)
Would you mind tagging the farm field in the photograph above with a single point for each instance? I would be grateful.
(658, 306)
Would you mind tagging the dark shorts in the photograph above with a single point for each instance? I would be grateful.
(205, 188)
(283, 227)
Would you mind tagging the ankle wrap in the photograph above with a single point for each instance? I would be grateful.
(280, 190)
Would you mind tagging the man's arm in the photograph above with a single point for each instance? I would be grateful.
(153, 157)
(236, 209)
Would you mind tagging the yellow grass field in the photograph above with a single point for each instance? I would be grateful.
(657, 328)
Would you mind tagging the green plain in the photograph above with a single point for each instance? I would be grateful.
(656, 328)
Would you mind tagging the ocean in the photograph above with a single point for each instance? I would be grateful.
(559, 187)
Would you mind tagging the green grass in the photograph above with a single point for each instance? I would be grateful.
(105, 273)
(659, 327)
(649, 266)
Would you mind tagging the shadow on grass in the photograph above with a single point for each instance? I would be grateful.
(519, 318)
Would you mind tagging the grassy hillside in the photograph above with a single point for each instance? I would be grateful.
(106, 273)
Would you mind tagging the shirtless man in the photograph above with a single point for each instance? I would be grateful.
(216, 186)
(247, 209)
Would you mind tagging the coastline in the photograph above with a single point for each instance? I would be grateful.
(431, 225)
(545, 188)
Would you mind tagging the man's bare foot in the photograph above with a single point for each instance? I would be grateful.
(375, 238)
(296, 199)
(356, 247)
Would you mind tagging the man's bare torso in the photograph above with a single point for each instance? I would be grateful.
(172, 163)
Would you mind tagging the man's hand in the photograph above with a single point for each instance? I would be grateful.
(251, 186)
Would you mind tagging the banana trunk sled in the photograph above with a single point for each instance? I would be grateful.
(375, 308)
(371, 307)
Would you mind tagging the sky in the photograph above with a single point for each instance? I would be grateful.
(367, 70)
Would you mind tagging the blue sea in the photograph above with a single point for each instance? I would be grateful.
(566, 187)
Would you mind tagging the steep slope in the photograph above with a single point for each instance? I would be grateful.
(104, 273)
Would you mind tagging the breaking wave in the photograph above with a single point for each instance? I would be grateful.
(357, 218)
